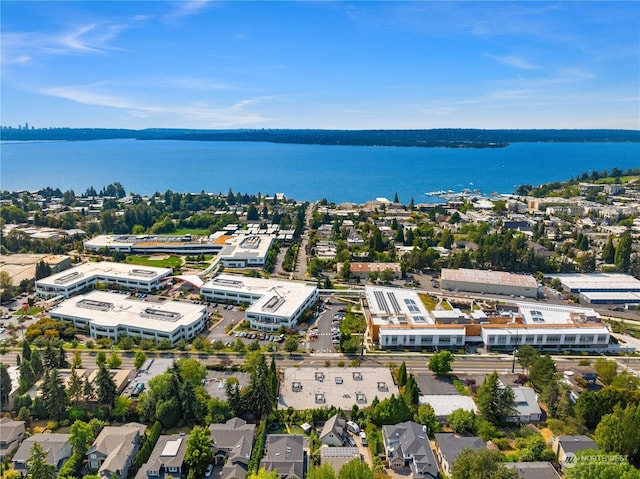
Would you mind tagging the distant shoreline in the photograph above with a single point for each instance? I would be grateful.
(433, 138)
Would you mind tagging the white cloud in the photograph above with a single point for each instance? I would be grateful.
(186, 8)
(202, 113)
(514, 61)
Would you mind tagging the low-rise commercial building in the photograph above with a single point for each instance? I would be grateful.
(489, 282)
(85, 276)
(110, 315)
(153, 244)
(245, 251)
(399, 319)
(273, 303)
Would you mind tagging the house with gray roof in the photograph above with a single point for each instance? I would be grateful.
(113, 451)
(449, 445)
(232, 446)
(567, 446)
(527, 408)
(334, 432)
(166, 459)
(534, 470)
(55, 446)
(285, 453)
(11, 433)
(407, 445)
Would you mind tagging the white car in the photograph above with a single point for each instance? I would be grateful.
(208, 471)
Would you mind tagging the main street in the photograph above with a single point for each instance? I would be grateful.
(461, 364)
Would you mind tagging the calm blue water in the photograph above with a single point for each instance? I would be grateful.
(303, 172)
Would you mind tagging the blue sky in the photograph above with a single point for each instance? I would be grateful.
(346, 65)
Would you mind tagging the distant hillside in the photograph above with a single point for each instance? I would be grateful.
(447, 138)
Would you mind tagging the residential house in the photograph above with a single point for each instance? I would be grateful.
(527, 408)
(407, 444)
(55, 446)
(337, 457)
(449, 445)
(334, 432)
(232, 444)
(285, 453)
(166, 459)
(113, 451)
(566, 447)
(11, 433)
(534, 470)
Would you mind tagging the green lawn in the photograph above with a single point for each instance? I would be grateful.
(170, 262)
(190, 231)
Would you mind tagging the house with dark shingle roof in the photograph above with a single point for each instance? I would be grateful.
(565, 446)
(232, 446)
(334, 431)
(11, 433)
(449, 445)
(534, 470)
(166, 459)
(407, 445)
(285, 453)
(56, 447)
(112, 453)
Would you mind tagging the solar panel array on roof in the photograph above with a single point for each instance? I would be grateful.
(382, 302)
(411, 305)
(536, 316)
(394, 302)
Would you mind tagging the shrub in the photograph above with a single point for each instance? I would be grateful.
(502, 443)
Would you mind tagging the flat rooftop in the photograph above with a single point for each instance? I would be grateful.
(489, 277)
(612, 296)
(396, 306)
(113, 309)
(316, 387)
(541, 314)
(247, 246)
(105, 269)
(598, 282)
(277, 297)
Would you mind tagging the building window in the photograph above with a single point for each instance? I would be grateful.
(569, 339)
(529, 338)
(586, 339)
(502, 340)
(553, 339)
(602, 338)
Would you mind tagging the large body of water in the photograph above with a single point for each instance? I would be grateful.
(303, 172)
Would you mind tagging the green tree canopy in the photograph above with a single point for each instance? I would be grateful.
(355, 470)
(440, 363)
(620, 432)
(596, 465)
(199, 453)
(481, 464)
(495, 400)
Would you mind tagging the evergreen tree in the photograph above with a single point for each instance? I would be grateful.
(88, 391)
(106, 387)
(75, 389)
(402, 375)
(495, 401)
(26, 350)
(37, 465)
(54, 395)
(609, 251)
(5, 384)
(623, 252)
(36, 363)
(27, 376)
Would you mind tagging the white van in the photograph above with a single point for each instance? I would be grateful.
(363, 438)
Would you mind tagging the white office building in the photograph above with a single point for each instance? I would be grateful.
(399, 319)
(85, 276)
(245, 251)
(110, 315)
(152, 244)
(273, 303)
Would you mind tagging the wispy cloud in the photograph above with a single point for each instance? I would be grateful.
(89, 38)
(514, 61)
(204, 113)
(186, 8)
